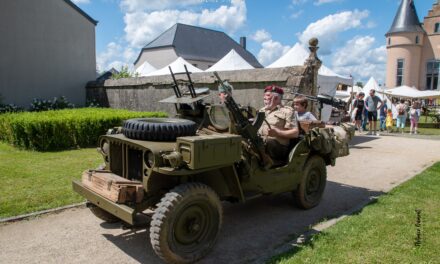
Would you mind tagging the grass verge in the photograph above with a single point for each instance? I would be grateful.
(33, 181)
(383, 232)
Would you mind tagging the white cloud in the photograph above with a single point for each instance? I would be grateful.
(142, 27)
(316, 3)
(271, 51)
(115, 56)
(150, 5)
(78, 2)
(328, 28)
(261, 36)
(297, 14)
(230, 18)
(361, 59)
(299, 2)
(321, 2)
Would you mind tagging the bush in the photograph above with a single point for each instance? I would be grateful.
(124, 73)
(10, 108)
(38, 105)
(63, 129)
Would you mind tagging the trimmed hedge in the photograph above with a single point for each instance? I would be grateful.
(63, 129)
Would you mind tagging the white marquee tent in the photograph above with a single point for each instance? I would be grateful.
(411, 92)
(231, 61)
(145, 69)
(177, 66)
(328, 80)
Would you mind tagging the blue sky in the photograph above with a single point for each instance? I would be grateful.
(351, 32)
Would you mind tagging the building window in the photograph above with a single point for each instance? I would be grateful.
(389, 41)
(399, 75)
(432, 71)
(417, 39)
(436, 27)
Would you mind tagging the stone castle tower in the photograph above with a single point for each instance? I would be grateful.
(413, 48)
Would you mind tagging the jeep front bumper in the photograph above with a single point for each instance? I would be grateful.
(121, 211)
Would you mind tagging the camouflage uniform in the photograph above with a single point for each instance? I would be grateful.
(282, 117)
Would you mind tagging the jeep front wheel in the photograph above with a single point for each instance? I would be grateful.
(186, 223)
(312, 185)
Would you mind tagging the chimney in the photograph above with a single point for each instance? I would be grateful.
(243, 42)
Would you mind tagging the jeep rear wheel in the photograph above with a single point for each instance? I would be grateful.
(312, 185)
(102, 214)
(186, 223)
(158, 129)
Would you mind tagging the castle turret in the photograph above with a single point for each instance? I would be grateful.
(405, 41)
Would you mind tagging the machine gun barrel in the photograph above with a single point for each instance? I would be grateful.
(245, 128)
(325, 99)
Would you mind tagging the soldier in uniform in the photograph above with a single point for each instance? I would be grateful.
(281, 124)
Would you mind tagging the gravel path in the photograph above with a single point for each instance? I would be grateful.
(250, 230)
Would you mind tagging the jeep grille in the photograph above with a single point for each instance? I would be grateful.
(126, 161)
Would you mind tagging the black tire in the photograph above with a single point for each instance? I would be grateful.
(102, 214)
(312, 185)
(186, 223)
(158, 129)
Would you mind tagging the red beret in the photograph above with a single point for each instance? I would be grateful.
(274, 89)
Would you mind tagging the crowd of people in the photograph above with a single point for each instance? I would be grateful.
(365, 111)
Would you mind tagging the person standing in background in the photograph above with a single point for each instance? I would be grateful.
(373, 103)
(401, 116)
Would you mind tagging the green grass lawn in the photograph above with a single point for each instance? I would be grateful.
(33, 181)
(384, 232)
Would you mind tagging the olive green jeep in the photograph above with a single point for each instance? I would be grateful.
(179, 170)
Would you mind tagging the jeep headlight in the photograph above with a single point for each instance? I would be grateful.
(149, 159)
(105, 147)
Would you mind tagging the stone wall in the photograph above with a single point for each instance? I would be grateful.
(144, 93)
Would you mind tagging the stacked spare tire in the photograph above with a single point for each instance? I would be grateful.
(158, 129)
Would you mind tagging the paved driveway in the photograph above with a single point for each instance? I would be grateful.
(250, 230)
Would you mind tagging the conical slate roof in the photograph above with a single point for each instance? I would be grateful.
(406, 19)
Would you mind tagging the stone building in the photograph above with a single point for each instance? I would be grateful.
(47, 49)
(199, 46)
(414, 48)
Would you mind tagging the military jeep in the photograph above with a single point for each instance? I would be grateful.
(179, 170)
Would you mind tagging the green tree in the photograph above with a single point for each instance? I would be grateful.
(360, 84)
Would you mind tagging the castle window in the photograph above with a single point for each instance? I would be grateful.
(399, 75)
(389, 41)
(432, 72)
(436, 27)
(417, 39)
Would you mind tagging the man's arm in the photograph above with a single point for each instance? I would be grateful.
(379, 105)
(290, 133)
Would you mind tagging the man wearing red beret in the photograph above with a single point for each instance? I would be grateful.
(282, 121)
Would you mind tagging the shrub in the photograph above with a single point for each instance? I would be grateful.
(10, 108)
(124, 73)
(63, 129)
(38, 105)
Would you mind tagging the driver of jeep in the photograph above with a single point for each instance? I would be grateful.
(281, 125)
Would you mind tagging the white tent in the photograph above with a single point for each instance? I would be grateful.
(231, 61)
(145, 69)
(411, 92)
(372, 84)
(176, 66)
(328, 80)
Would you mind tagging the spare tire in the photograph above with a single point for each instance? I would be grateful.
(158, 129)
